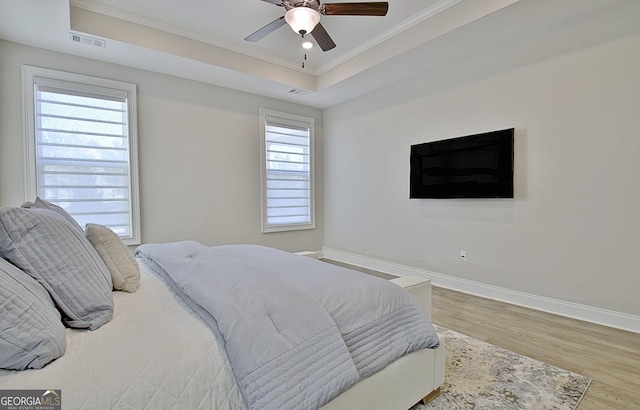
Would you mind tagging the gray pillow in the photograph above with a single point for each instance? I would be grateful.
(41, 243)
(31, 332)
(42, 204)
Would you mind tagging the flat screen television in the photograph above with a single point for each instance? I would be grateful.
(474, 166)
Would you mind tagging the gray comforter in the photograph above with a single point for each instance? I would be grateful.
(298, 331)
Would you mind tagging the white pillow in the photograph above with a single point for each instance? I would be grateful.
(125, 272)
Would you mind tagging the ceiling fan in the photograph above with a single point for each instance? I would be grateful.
(303, 16)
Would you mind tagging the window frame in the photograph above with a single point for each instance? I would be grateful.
(80, 82)
(286, 118)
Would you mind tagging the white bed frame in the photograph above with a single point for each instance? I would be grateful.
(413, 378)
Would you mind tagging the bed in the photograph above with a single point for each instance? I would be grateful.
(153, 350)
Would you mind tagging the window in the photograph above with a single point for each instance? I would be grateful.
(287, 172)
(82, 147)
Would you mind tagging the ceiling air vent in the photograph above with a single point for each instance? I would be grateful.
(83, 39)
(298, 91)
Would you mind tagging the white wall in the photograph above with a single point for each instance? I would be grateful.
(198, 152)
(572, 233)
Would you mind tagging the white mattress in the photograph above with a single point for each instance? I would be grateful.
(154, 354)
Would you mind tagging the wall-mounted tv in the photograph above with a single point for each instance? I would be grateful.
(474, 166)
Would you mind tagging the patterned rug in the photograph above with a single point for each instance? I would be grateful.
(480, 375)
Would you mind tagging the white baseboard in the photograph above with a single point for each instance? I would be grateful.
(310, 254)
(559, 307)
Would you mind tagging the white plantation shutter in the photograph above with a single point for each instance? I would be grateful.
(82, 151)
(287, 172)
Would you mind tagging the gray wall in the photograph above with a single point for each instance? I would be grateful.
(198, 152)
(572, 233)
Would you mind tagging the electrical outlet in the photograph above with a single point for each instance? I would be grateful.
(463, 256)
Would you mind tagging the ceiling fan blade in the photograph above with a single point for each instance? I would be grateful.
(275, 24)
(322, 38)
(276, 2)
(356, 9)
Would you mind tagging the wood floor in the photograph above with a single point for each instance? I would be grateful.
(610, 357)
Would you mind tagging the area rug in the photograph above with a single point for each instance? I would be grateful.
(479, 375)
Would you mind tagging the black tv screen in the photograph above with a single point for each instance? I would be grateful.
(474, 166)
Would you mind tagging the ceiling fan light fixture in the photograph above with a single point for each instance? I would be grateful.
(302, 20)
